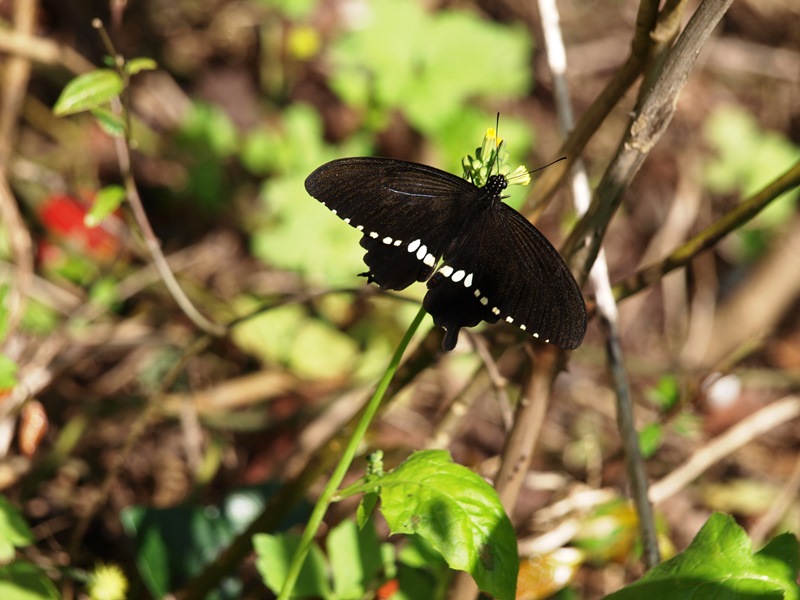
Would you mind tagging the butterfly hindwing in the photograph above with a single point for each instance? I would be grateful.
(407, 212)
(506, 269)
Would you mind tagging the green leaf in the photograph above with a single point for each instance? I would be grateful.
(22, 580)
(177, 543)
(650, 439)
(112, 124)
(719, 564)
(666, 393)
(14, 531)
(137, 65)
(431, 73)
(355, 558)
(88, 91)
(107, 200)
(8, 374)
(366, 507)
(275, 553)
(458, 513)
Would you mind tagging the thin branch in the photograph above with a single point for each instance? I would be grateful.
(707, 238)
(123, 145)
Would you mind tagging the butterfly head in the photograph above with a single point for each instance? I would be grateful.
(496, 184)
(489, 164)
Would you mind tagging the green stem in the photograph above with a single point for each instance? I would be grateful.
(335, 481)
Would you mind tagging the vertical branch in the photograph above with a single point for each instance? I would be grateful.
(606, 308)
(15, 83)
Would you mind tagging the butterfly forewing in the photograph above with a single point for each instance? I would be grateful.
(407, 212)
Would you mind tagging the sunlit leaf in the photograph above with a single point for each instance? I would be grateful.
(720, 564)
(106, 201)
(137, 65)
(274, 555)
(88, 91)
(458, 513)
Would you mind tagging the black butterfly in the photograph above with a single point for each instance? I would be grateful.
(495, 264)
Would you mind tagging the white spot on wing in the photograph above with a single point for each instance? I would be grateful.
(333, 210)
(360, 227)
(412, 247)
(347, 220)
(373, 234)
(509, 320)
(496, 311)
(423, 250)
(523, 327)
(398, 242)
(484, 301)
(446, 270)
(536, 335)
(429, 259)
(458, 275)
(387, 240)
(477, 293)
(468, 280)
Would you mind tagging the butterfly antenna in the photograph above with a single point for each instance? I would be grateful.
(550, 164)
(497, 142)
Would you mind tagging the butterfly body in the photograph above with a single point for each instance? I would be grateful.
(482, 260)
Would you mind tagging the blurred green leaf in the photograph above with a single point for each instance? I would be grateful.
(666, 393)
(355, 558)
(207, 138)
(88, 91)
(137, 65)
(39, 318)
(746, 159)
(308, 346)
(609, 532)
(270, 334)
(107, 200)
(292, 9)
(175, 544)
(321, 351)
(22, 580)
(211, 128)
(109, 122)
(8, 376)
(429, 73)
(719, 564)
(304, 237)
(14, 530)
(274, 554)
(650, 439)
(105, 292)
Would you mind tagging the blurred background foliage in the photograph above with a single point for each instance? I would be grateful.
(249, 97)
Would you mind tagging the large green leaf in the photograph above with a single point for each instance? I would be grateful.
(720, 564)
(458, 513)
